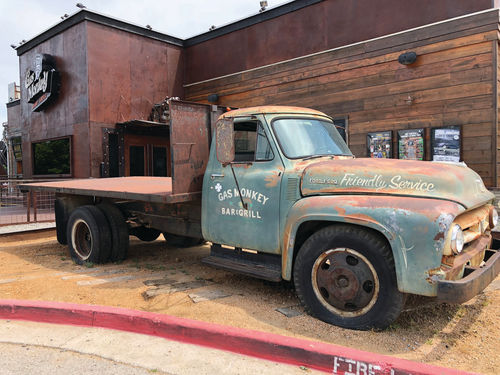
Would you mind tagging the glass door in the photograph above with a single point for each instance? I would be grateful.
(146, 156)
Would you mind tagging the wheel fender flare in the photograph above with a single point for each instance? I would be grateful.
(413, 226)
(306, 212)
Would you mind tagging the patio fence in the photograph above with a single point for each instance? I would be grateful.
(17, 207)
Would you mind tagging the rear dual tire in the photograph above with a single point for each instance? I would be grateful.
(61, 222)
(89, 236)
(119, 231)
(97, 234)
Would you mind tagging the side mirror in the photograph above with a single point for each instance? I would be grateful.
(224, 136)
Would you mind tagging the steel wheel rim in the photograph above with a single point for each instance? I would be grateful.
(345, 282)
(81, 238)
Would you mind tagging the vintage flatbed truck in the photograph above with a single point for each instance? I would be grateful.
(279, 196)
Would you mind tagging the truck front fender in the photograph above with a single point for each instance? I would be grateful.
(414, 227)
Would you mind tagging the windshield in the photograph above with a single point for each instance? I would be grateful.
(301, 138)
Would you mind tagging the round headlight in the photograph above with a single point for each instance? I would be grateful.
(457, 239)
(493, 218)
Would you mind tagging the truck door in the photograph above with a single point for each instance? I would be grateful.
(249, 220)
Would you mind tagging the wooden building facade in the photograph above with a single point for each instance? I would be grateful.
(454, 81)
(340, 57)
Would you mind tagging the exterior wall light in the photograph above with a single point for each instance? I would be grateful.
(213, 98)
(407, 58)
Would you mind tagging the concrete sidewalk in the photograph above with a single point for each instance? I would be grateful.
(28, 227)
(42, 348)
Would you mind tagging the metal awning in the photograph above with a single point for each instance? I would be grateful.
(142, 123)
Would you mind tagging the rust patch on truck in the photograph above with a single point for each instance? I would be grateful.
(271, 109)
(435, 274)
(354, 218)
(439, 236)
(340, 210)
(394, 202)
(273, 179)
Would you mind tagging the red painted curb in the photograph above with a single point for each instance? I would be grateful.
(333, 359)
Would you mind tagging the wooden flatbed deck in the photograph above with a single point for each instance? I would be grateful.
(145, 189)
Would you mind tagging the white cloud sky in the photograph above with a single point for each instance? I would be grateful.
(24, 19)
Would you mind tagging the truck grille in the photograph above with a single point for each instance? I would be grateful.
(474, 223)
(476, 228)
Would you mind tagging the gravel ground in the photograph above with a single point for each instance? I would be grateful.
(34, 266)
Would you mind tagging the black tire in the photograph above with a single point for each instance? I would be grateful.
(119, 231)
(61, 222)
(345, 275)
(145, 234)
(182, 241)
(89, 236)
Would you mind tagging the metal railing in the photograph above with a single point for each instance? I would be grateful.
(17, 207)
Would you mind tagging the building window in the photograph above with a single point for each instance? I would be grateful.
(341, 125)
(17, 149)
(52, 157)
(3, 158)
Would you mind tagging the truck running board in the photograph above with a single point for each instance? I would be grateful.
(259, 265)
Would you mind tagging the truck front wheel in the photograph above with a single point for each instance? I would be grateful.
(345, 275)
(89, 236)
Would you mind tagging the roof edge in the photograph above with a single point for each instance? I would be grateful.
(250, 21)
(489, 10)
(13, 103)
(88, 15)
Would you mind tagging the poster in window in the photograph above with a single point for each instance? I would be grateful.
(411, 144)
(379, 144)
(446, 144)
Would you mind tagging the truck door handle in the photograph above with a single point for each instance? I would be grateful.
(216, 175)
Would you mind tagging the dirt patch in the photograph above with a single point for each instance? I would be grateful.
(34, 266)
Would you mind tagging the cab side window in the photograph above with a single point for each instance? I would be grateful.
(251, 143)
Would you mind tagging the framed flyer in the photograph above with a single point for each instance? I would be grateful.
(379, 144)
(446, 144)
(411, 144)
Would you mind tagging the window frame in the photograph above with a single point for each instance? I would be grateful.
(258, 124)
(346, 120)
(70, 151)
(325, 119)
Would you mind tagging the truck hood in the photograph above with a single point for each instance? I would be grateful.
(450, 181)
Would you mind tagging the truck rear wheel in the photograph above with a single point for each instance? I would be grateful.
(182, 241)
(119, 231)
(89, 236)
(61, 222)
(345, 275)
